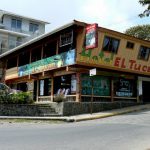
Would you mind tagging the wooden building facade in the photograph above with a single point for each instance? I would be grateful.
(60, 62)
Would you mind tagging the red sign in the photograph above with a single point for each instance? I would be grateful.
(91, 36)
(131, 64)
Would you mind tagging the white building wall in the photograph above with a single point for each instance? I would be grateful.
(7, 22)
(25, 24)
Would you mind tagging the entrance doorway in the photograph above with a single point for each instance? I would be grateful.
(146, 91)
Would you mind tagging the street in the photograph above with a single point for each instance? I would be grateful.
(124, 132)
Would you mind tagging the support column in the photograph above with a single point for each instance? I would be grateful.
(78, 90)
(52, 89)
(112, 89)
(37, 91)
(139, 91)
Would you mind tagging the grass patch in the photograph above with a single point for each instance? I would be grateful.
(30, 121)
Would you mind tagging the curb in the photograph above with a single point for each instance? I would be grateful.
(99, 116)
(83, 117)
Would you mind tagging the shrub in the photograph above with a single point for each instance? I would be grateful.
(59, 98)
(4, 97)
(18, 98)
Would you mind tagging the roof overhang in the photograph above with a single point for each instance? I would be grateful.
(74, 22)
(3, 12)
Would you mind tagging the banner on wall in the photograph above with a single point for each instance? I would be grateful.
(91, 36)
(56, 61)
(101, 85)
(124, 88)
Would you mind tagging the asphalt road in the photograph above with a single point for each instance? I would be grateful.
(124, 132)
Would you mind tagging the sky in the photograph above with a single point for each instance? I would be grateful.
(117, 15)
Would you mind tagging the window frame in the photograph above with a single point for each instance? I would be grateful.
(15, 23)
(112, 39)
(144, 53)
(128, 45)
(34, 27)
(66, 38)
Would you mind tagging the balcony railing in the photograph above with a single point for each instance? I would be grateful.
(35, 34)
(9, 44)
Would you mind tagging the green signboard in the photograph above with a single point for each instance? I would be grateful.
(100, 84)
(56, 61)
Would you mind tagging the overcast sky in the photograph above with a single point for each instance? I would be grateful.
(113, 14)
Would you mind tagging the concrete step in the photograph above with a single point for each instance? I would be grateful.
(47, 110)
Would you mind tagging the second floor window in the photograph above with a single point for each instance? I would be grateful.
(16, 23)
(144, 53)
(33, 27)
(110, 44)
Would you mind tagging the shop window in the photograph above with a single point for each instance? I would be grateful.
(36, 54)
(130, 45)
(62, 85)
(24, 58)
(124, 87)
(110, 44)
(100, 85)
(144, 53)
(49, 49)
(22, 86)
(12, 62)
(45, 87)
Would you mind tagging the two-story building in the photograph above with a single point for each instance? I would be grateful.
(81, 61)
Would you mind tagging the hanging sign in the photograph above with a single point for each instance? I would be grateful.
(93, 72)
(91, 36)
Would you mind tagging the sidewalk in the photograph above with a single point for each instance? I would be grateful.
(84, 117)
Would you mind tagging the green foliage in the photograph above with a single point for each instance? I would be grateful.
(147, 10)
(140, 31)
(18, 98)
(4, 97)
(59, 98)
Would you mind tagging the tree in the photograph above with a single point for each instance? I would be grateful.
(147, 10)
(140, 31)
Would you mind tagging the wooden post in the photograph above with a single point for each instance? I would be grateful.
(42, 54)
(57, 47)
(112, 89)
(92, 96)
(37, 91)
(78, 88)
(30, 62)
(3, 66)
(52, 89)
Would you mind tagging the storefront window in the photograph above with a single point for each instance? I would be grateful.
(124, 87)
(100, 84)
(22, 86)
(45, 87)
(62, 85)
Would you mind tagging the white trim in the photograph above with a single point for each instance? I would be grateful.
(3, 12)
(140, 80)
